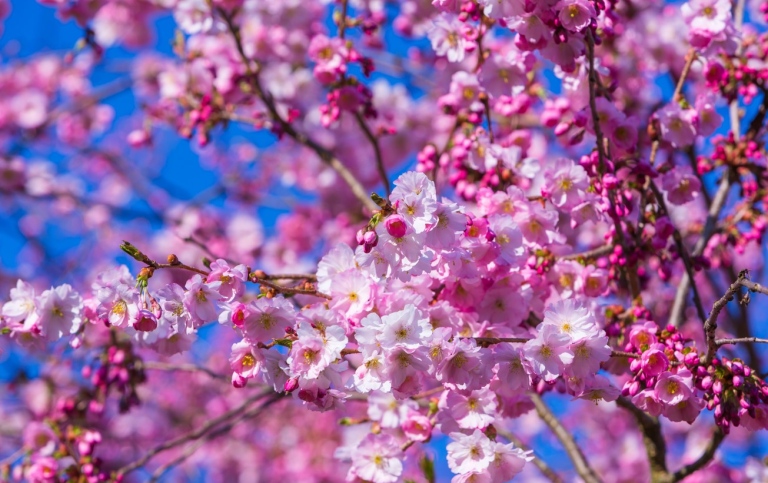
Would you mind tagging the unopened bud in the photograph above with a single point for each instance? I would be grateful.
(396, 226)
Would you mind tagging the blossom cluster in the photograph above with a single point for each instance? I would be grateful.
(561, 210)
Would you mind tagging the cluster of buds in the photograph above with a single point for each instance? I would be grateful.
(120, 370)
(734, 392)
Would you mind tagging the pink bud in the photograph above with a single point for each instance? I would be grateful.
(291, 385)
(396, 226)
(146, 322)
(238, 380)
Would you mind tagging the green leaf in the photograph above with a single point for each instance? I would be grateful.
(428, 467)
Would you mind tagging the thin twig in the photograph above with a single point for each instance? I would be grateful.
(741, 340)
(655, 445)
(548, 472)
(703, 460)
(163, 366)
(325, 155)
(192, 435)
(710, 326)
(589, 254)
(566, 439)
(682, 251)
(718, 202)
(377, 152)
(632, 277)
(754, 287)
(189, 451)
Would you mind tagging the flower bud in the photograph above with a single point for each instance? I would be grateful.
(396, 226)
(717, 387)
(146, 321)
(238, 380)
(291, 385)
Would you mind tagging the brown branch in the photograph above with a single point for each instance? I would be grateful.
(377, 152)
(325, 155)
(548, 472)
(632, 277)
(703, 460)
(191, 435)
(741, 340)
(754, 287)
(566, 439)
(213, 435)
(594, 253)
(682, 251)
(710, 326)
(653, 439)
(163, 366)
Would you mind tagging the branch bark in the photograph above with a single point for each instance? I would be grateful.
(566, 439)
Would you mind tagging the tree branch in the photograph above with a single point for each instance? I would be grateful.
(704, 459)
(566, 439)
(192, 435)
(548, 472)
(325, 155)
(710, 325)
(655, 445)
(377, 152)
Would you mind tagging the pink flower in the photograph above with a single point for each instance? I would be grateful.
(588, 354)
(200, 298)
(447, 37)
(122, 310)
(232, 278)
(245, 360)
(575, 15)
(681, 185)
(173, 313)
(470, 453)
(511, 373)
(503, 9)
(672, 389)
(507, 461)
(599, 389)
(548, 353)
(643, 334)
(508, 237)
(268, 319)
(330, 56)
(193, 16)
(376, 459)
(315, 350)
(566, 184)
(571, 318)
(463, 369)
(654, 361)
(709, 119)
(351, 292)
(648, 401)
(408, 328)
(416, 427)
(707, 15)
(592, 282)
(396, 226)
(475, 410)
(30, 109)
(687, 410)
(59, 312)
(678, 125)
(43, 470)
(22, 303)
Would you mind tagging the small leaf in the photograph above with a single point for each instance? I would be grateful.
(428, 467)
